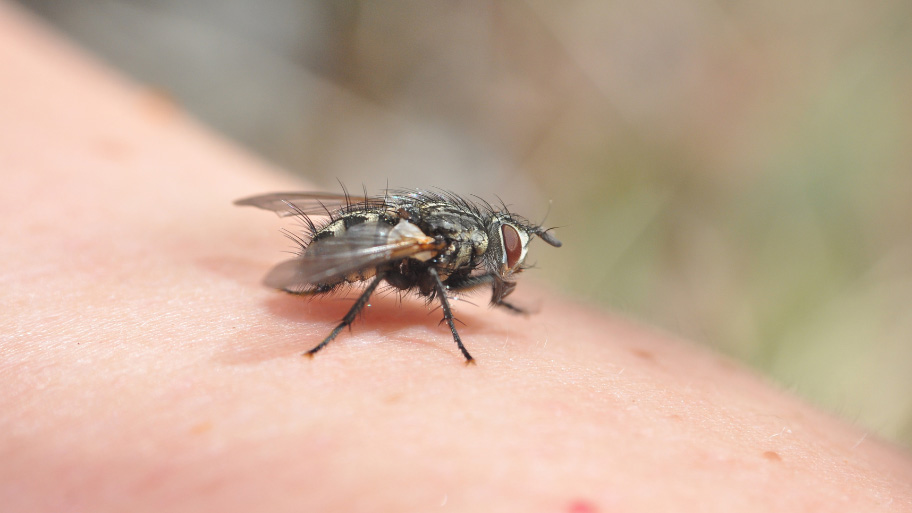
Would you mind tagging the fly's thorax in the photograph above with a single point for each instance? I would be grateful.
(463, 231)
(464, 250)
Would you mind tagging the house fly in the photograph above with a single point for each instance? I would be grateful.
(431, 243)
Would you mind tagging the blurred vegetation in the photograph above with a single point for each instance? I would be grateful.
(737, 172)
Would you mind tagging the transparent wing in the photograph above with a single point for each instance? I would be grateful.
(361, 247)
(310, 203)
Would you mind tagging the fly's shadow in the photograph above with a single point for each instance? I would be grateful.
(389, 318)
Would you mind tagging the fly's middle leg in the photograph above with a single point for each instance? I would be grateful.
(447, 313)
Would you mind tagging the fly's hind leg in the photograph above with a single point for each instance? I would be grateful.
(350, 316)
(448, 314)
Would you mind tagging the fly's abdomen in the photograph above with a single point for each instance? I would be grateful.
(341, 224)
(361, 275)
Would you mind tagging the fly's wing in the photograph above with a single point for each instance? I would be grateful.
(361, 247)
(308, 203)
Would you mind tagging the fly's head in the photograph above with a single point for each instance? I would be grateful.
(508, 244)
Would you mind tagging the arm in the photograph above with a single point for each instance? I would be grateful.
(144, 367)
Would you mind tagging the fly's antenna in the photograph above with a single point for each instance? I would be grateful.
(544, 233)
(547, 213)
(546, 236)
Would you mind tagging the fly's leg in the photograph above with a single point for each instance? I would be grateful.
(513, 308)
(476, 281)
(447, 313)
(350, 316)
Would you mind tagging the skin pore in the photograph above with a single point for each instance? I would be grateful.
(145, 368)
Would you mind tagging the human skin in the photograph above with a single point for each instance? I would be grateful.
(144, 367)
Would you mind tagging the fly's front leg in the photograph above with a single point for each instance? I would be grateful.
(500, 290)
(513, 308)
(447, 313)
(350, 316)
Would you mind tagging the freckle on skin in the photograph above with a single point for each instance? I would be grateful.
(201, 428)
(727, 365)
(772, 456)
(581, 506)
(642, 353)
(112, 149)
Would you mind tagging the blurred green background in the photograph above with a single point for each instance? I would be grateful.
(739, 173)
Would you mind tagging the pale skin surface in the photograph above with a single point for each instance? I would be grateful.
(144, 368)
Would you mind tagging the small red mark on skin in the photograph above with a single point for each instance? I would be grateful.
(201, 428)
(675, 417)
(112, 149)
(395, 398)
(727, 365)
(581, 506)
(772, 456)
(642, 353)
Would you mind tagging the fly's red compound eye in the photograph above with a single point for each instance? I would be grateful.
(512, 245)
